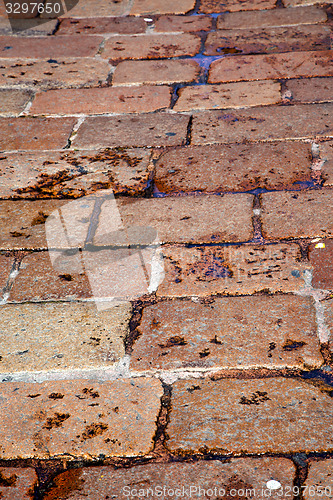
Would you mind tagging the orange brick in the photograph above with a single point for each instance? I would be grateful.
(266, 123)
(53, 73)
(264, 66)
(49, 47)
(183, 23)
(271, 18)
(140, 72)
(34, 133)
(151, 46)
(210, 6)
(310, 89)
(228, 95)
(282, 39)
(149, 7)
(97, 25)
(321, 258)
(101, 100)
(17, 483)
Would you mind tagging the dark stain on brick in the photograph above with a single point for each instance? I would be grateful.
(56, 395)
(215, 340)
(292, 345)
(8, 482)
(88, 393)
(32, 396)
(16, 234)
(173, 341)
(271, 347)
(194, 388)
(39, 219)
(65, 277)
(56, 421)
(204, 353)
(65, 484)
(93, 430)
(256, 398)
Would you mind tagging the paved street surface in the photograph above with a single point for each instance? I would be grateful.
(166, 249)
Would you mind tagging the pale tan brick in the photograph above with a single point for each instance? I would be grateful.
(267, 123)
(159, 129)
(54, 73)
(242, 473)
(272, 415)
(13, 102)
(280, 39)
(266, 66)
(236, 167)
(229, 95)
(141, 72)
(152, 46)
(231, 270)
(310, 90)
(70, 336)
(98, 25)
(210, 6)
(71, 174)
(297, 215)
(26, 133)
(92, 8)
(328, 314)
(82, 418)
(149, 7)
(228, 333)
(27, 27)
(271, 18)
(101, 100)
(326, 154)
(183, 23)
(319, 481)
(17, 483)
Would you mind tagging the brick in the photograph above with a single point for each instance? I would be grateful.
(255, 40)
(210, 6)
(328, 317)
(27, 27)
(44, 47)
(264, 66)
(321, 259)
(82, 418)
(13, 102)
(326, 154)
(190, 219)
(101, 25)
(247, 473)
(28, 15)
(70, 336)
(181, 335)
(17, 483)
(6, 264)
(159, 129)
(151, 46)
(35, 133)
(273, 415)
(183, 23)
(310, 90)
(53, 73)
(71, 174)
(271, 18)
(295, 3)
(228, 95)
(306, 214)
(236, 167)
(101, 100)
(319, 479)
(231, 270)
(89, 8)
(267, 123)
(149, 7)
(140, 72)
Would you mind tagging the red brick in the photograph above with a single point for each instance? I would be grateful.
(321, 258)
(149, 7)
(140, 72)
(265, 66)
(182, 334)
(310, 89)
(151, 46)
(44, 47)
(13, 102)
(281, 39)
(210, 6)
(34, 133)
(266, 123)
(295, 3)
(159, 129)
(54, 73)
(89, 8)
(271, 18)
(101, 25)
(101, 100)
(326, 155)
(289, 214)
(235, 167)
(17, 483)
(228, 95)
(183, 23)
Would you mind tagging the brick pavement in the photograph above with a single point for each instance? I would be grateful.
(166, 310)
